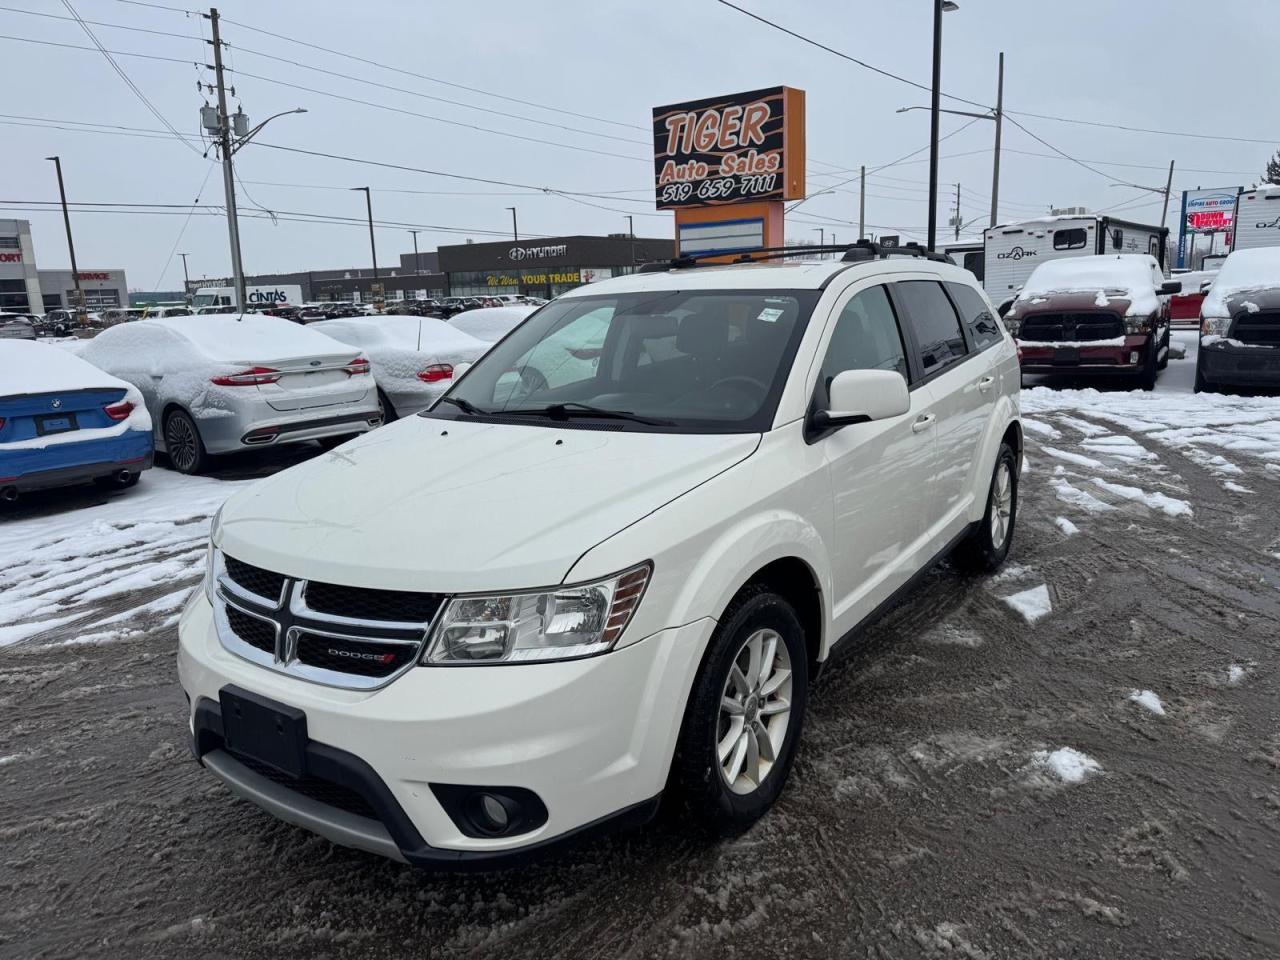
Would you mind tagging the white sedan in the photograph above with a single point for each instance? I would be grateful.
(414, 358)
(491, 324)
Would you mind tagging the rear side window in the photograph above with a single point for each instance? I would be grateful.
(1073, 239)
(984, 329)
(866, 337)
(934, 322)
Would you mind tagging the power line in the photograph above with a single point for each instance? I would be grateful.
(95, 23)
(118, 53)
(423, 76)
(159, 6)
(185, 223)
(125, 77)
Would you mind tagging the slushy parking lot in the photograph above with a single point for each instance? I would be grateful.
(1077, 756)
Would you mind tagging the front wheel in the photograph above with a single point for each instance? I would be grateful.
(745, 713)
(1150, 370)
(988, 545)
(1201, 383)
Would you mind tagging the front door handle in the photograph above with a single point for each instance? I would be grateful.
(986, 383)
(923, 423)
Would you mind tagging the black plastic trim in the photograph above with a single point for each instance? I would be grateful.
(347, 770)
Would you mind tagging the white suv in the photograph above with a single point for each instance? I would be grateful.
(611, 560)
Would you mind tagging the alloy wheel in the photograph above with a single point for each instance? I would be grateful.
(1001, 505)
(180, 441)
(755, 711)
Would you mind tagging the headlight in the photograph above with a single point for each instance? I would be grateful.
(211, 572)
(1013, 326)
(556, 624)
(1135, 325)
(1215, 326)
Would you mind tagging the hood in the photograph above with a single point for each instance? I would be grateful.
(1068, 302)
(1242, 300)
(450, 506)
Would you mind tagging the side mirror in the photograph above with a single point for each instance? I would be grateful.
(1170, 287)
(1205, 285)
(860, 396)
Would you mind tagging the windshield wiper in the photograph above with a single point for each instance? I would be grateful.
(466, 406)
(571, 408)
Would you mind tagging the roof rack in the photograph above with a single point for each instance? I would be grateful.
(856, 252)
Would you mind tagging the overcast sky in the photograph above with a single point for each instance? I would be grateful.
(1179, 65)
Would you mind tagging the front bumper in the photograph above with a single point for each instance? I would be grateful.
(1221, 362)
(592, 738)
(1090, 360)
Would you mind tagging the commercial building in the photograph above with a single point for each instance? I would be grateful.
(545, 267)
(404, 282)
(25, 288)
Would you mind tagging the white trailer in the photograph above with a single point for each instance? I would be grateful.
(1011, 251)
(1257, 221)
(264, 295)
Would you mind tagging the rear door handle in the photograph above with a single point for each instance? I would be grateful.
(923, 423)
(986, 383)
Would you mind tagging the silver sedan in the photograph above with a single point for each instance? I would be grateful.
(228, 382)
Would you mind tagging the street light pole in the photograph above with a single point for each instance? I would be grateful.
(417, 271)
(186, 279)
(373, 249)
(995, 166)
(939, 7)
(631, 232)
(515, 233)
(822, 237)
(71, 246)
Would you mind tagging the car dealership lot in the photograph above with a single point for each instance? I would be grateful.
(1077, 756)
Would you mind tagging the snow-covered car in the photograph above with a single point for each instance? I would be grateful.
(226, 382)
(16, 327)
(1240, 323)
(63, 422)
(413, 358)
(489, 627)
(491, 324)
(1098, 314)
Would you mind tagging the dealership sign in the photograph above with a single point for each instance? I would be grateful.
(11, 256)
(737, 148)
(1206, 212)
(538, 253)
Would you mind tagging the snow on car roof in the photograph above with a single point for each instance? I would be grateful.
(1128, 276)
(490, 324)
(1257, 269)
(405, 333)
(235, 337)
(33, 367)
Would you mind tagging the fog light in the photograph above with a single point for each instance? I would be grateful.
(1133, 356)
(490, 811)
(492, 814)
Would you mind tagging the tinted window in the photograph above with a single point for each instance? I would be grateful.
(1073, 239)
(984, 329)
(934, 320)
(866, 337)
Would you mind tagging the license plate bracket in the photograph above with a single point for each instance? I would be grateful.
(1066, 355)
(52, 423)
(264, 730)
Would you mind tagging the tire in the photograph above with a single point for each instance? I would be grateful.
(388, 411)
(1201, 384)
(985, 549)
(1150, 370)
(1168, 338)
(183, 444)
(756, 621)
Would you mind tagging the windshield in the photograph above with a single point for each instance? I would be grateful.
(711, 361)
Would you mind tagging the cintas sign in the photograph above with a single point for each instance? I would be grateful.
(731, 149)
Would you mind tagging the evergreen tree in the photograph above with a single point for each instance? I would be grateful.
(1273, 170)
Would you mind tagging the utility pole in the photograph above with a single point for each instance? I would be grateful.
(416, 270)
(995, 168)
(515, 233)
(228, 176)
(956, 220)
(862, 205)
(81, 320)
(373, 250)
(1168, 187)
(186, 280)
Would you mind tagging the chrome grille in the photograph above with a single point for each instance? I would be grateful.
(325, 633)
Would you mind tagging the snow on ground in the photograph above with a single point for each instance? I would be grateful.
(72, 569)
(1149, 700)
(1066, 526)
(1033, 604)
(1065, 763)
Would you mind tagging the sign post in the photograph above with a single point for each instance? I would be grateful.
(726, 165)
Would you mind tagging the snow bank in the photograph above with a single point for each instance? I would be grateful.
(1110, 276)
(1243, 270)
(1033, 604)
(1068, 765)
(491, 324)
(33, 367)
(1149, 700)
